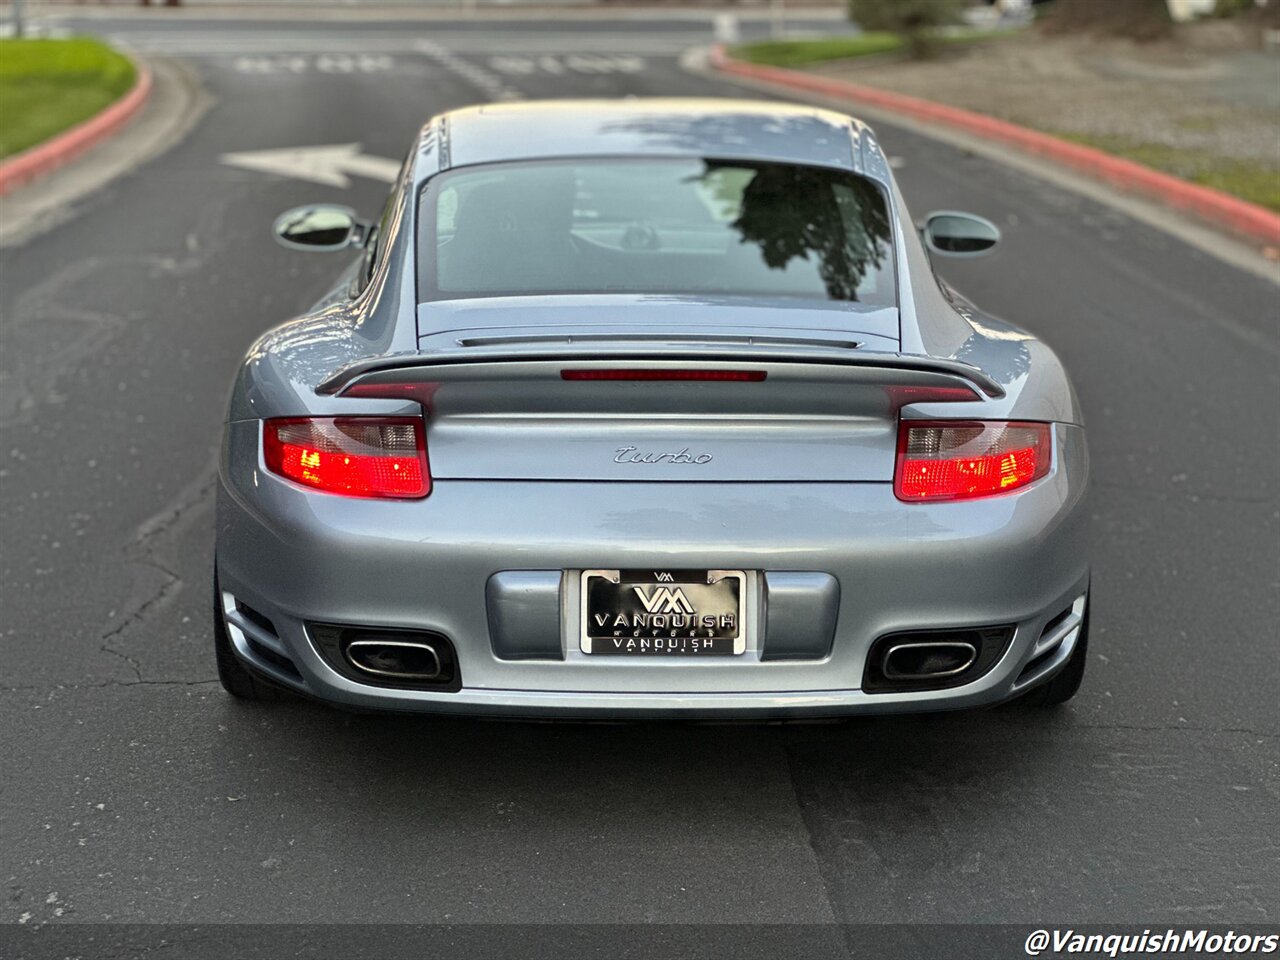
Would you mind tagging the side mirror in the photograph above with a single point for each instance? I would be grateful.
(955, 234)
(319, 226)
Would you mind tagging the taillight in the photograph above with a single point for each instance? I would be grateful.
(961, 460)
(353, 456)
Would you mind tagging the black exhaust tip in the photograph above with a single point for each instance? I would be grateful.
(412, 659)
(933, 659)
(394, 659)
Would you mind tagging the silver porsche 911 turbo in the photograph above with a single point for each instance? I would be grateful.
(649, 408)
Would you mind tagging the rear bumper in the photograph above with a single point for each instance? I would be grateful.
(298, 557)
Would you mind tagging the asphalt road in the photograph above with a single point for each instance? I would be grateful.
(135, 790)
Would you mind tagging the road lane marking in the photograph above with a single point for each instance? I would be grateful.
(490, 83)
(590, 63)
(279, 43)
(725, 28)
(514, 66)
(328, 165)
(338, 63)
(36, 29)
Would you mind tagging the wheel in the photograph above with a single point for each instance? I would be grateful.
(1066, 681)
(235, 677)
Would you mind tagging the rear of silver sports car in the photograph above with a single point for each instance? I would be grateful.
(673, 434)
(767, 529)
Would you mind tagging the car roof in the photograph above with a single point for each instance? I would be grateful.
(738, 129)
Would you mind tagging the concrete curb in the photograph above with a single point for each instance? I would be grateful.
(1220, 209)
(52, 153)
(175, 105)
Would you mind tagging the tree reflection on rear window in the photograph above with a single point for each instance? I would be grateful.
(655, 226)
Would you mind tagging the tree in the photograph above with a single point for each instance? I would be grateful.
(916, 20)
(792, 212)
(1269, 14)
(1134, 19)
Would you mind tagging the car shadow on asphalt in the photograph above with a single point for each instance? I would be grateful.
(884, 754)
(971, 810)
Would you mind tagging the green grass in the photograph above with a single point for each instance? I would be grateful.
(1255, 182)
(803, 53)
(49, 85)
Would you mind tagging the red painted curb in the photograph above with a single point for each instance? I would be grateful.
(1221, 209)
(48, 156)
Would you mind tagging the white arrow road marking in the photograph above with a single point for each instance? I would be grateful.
(328, 165)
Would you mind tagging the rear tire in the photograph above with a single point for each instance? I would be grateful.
(234, 676)
(1064, 684)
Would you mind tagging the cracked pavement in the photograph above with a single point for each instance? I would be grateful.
(136, 791)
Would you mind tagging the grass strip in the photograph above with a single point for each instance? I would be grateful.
(48, 85)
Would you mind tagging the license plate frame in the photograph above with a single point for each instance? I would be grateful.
(690, 593)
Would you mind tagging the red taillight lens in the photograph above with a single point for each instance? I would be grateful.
(964, 460)
(353, 456)
(746, 376)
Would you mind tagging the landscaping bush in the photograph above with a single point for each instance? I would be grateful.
(917, 21)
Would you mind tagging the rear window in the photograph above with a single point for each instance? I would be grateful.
(654, 226)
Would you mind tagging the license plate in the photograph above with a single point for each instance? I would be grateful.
(663, 613)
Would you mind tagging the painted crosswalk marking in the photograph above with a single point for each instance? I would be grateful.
(573, 62)
(489, 83)
(339, 63)
(265, 42)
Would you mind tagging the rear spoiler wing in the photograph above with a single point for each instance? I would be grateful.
(395, 373)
